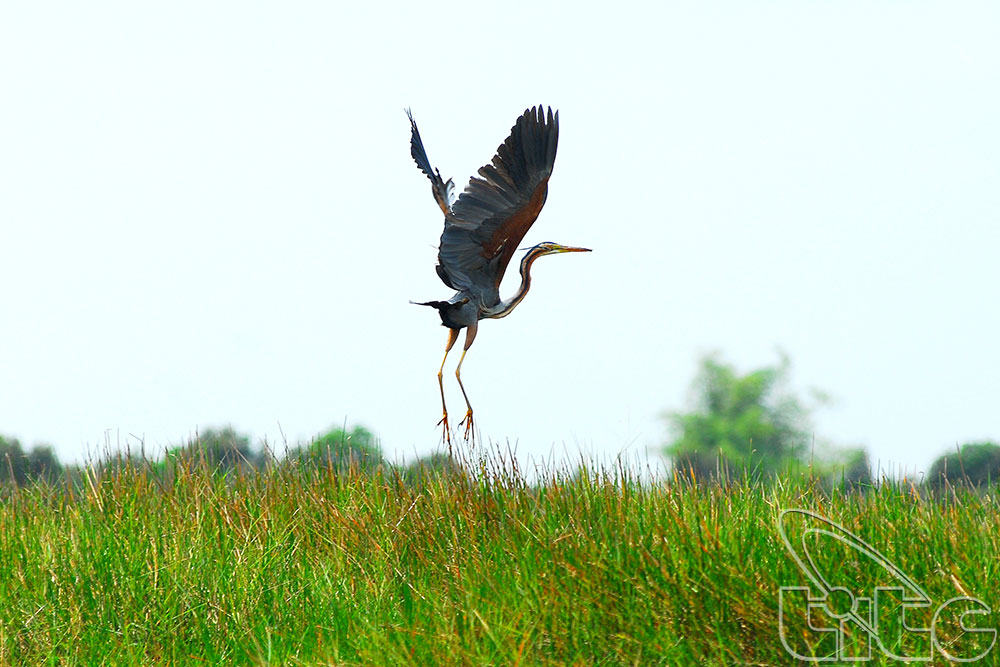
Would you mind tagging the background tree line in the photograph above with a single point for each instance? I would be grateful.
(737, 426)
(226, 451)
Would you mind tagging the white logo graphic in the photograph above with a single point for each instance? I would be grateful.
(828, 622)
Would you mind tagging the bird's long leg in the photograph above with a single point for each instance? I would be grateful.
(470, 335)
(452, 337)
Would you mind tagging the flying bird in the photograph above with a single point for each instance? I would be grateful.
(483, 228)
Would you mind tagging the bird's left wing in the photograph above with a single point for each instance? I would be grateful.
(492, 215)
(443, 190)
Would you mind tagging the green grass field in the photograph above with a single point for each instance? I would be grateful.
(307, 567)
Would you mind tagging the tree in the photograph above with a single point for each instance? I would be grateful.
(12, 461)
(977, 463)
(858, 469)
(221, 450)
(851, 467)
(437, 466)
(739, 422)
(40, 464)
(342, 450)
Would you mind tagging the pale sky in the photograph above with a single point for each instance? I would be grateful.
(209, 216)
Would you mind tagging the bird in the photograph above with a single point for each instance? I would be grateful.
(483, 228)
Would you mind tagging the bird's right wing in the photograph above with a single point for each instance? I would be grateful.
(443, 191)
(495, 211)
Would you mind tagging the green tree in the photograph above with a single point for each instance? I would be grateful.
(220, 449)
(739, 422)
(851, 467)
(342, 450)
(20, 467)
(977, 463)
(12, 461)
(858, 467)
(439, 465)
(42, 464)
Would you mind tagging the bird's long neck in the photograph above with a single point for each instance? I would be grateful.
(504, 308)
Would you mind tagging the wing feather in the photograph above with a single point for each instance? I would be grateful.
(441, 189)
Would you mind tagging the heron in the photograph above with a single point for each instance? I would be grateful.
(482, 230)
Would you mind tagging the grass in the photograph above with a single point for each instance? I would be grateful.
(310, 567)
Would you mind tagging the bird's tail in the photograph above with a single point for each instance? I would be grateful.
(442, 308)
(433, 304)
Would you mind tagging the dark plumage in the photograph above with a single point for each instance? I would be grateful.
(483, 228)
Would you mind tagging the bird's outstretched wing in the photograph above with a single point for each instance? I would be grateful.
(495, 211)
(443, 191)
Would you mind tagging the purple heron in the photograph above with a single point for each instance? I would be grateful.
(483, 227)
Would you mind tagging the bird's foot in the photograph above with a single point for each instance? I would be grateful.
(447, 429)
(467, 422)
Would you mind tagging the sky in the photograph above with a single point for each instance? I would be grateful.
(209, 216)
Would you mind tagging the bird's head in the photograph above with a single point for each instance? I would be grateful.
(550, 248)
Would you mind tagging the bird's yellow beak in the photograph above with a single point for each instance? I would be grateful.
(567, 248)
